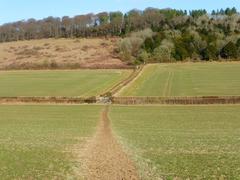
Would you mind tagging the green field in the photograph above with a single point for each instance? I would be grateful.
(34, 140)
(187, 79)
(59, 83)
(196, 142)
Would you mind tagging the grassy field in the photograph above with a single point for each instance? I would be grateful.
(33, 139)
(188, 79)
(196, 142)
(59, 83)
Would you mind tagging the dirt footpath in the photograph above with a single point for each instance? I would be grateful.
(103, 158)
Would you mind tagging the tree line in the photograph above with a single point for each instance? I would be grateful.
(150, 35)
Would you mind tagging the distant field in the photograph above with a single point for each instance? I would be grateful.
(196, 142)
(188, 79)
(59, 83)
(34, 140)
(60, 53)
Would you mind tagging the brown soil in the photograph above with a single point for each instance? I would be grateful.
(103, 158)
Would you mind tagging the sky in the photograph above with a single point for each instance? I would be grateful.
(14, 10)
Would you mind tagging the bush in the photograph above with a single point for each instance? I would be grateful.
(149, 45)
(125, 49)
(180, 52)
(90, 100)
(163, 53)
(144, 34)
(136, 44)
(143, 57)
(210, 53)
(130, 46)
(238, 46)
(238, 43)
(230, 50)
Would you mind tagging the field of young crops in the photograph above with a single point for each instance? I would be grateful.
(59, 83)
(196, 142)
(149, 141)
(187, 79)
(37, 142)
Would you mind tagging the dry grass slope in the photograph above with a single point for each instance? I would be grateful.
(60, 53)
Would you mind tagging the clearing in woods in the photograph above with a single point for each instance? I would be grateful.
(186, 79)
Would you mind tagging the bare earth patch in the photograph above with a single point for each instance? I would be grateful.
(103, 158)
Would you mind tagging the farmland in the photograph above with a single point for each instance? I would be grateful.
(90, 90)
(59, 83)
(187, 79)
(36, 141)
(144, 142)
(196, 142)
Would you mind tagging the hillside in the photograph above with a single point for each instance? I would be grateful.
(60, 54)
(172, 35)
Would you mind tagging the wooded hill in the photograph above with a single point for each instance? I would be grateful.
(171, 34)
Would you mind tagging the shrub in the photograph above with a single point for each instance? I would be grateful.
(130, 46)
(143, 56)
(144, 34)
(238, 46)
(90, 100)
(125, 47)
(163, 53)
(238, 43)
(230, 50)
(210, 53)
(149, 45)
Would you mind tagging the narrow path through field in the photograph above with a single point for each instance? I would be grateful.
(128, 82)
(103, 158)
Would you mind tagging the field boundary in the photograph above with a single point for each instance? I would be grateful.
(69, 67)
(50, 100)
(123, 100)
(177, 100)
